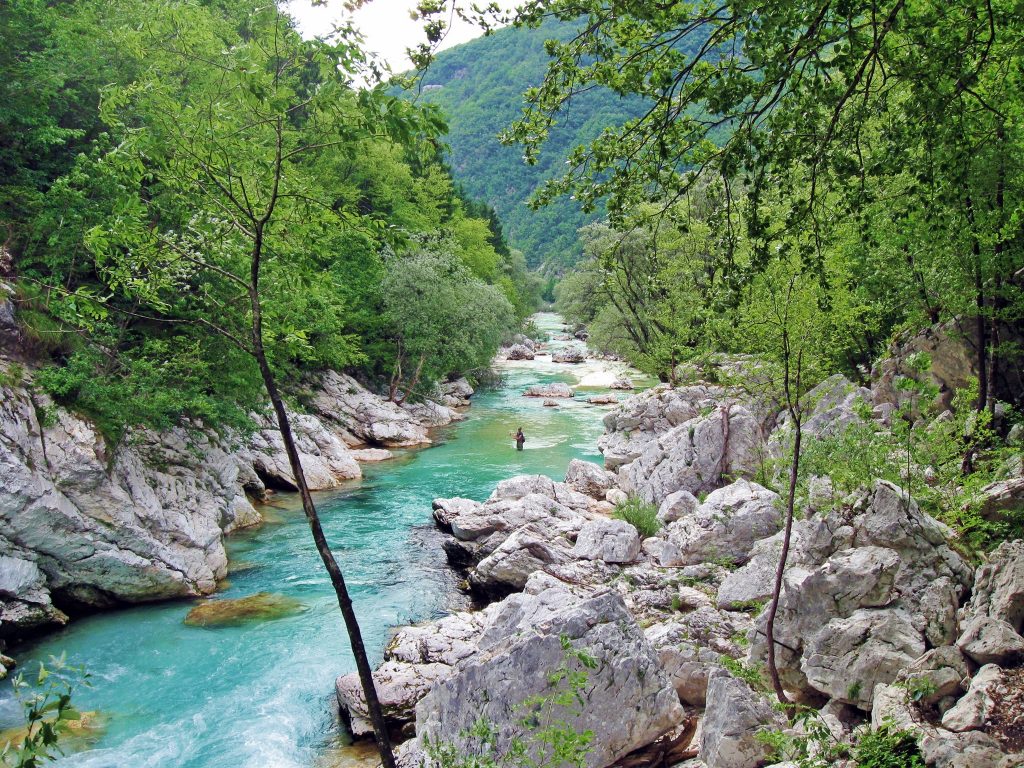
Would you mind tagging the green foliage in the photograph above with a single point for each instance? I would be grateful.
(640, 514)
(157, 384)
(479, 86)
(46, 704)
(887, 747)
(136, 187)
(754, 676)
(439, 318)
(944, 462)
(543, 736)
(809, 744)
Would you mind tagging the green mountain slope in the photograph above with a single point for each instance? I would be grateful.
(479, 85)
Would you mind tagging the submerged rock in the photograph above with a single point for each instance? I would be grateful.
(263, 606)
(76, 734)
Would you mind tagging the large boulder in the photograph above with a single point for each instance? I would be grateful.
(527, 549)
(999, 587)
(831, 407)
(698, 456)
(991, 641)
(867, 588)
(97, 524)
(430, 413)
(951, 349)
(588, 478)
(358, 416)
(975, 707)
(574, 353)
(643, 418)
(677, 505)
(327, 461)
(519, 352)
(936, 675)
(613, 541)
(505, 685)
(725, 527)
(416, 658)
(734, 716)
(691, 645)
(555, 511)
(455, 393)
(849, 656)
(754, 581)
(549, 390)
(399, 687)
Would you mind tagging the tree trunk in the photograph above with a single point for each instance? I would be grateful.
(412, 382)
(313, 518)
(796, 414)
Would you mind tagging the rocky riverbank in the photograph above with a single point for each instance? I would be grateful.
(881, 616)
(85, 524)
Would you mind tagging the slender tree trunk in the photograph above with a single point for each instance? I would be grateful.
(313, 518)
(773, 608)
(414, 381)
(796, 414)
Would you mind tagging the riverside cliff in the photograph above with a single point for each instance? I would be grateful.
(85, 524)
(882, 618)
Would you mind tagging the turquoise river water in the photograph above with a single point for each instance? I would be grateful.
(261, 695)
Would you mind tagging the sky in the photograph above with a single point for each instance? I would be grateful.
(386, 25)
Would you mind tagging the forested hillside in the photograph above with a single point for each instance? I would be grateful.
(149, 150)
(480, 86)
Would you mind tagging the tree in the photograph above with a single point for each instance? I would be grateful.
(439, 318)
(228, 220)
(899, 117)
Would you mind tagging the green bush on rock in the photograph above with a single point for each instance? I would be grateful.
(640, 514)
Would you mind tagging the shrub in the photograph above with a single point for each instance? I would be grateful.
(888, 747)
(640, 514)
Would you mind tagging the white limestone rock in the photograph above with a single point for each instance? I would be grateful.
(991, 641)
(883, 554)
(588, 478)
(973, 709)
(555, 390)
(999, 587)
(574, 353)
(726, 526)
(849, 656)
(526, 550)
(677, 505)
(733, 717)
(514, 667)
(613, 541)
(698, 456)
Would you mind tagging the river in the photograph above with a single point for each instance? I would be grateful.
(261, 695)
